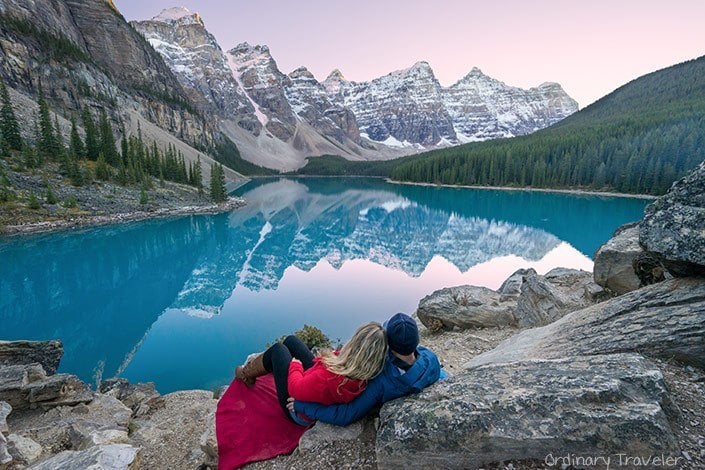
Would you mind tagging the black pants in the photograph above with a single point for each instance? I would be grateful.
(276, 360)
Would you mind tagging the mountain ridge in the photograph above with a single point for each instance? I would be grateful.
(383, 118)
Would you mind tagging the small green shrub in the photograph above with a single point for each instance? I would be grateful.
(33, 202)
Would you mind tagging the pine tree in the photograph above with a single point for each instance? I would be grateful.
(198, 176)
(33, 202)
(4, 147)
(218, 192)
(107, 140)
(46, 145)
(9, 128)
(144, 199)
(50, 198)
(76, 147)
(92, 144)
(102, 170)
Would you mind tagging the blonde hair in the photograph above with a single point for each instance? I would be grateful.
(361, 358)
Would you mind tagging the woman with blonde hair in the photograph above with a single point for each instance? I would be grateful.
(332, 377)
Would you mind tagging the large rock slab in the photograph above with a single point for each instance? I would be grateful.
(46, 353)
(525, 299)
(107, 457)
(673, 227)
(665, 320)
(171, 435)
(27, 386)
(544, 299)
(5, 410)
(465, 307)
(614, 261)
(23, 450)
(326, 434)
(589, 405)
(71, 427)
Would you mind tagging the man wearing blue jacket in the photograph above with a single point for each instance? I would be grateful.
(409, 368)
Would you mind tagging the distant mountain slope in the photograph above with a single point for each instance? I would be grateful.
(86, 54)
(638, 139)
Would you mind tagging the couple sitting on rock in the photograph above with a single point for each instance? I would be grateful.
(378, 364)
(277, 395)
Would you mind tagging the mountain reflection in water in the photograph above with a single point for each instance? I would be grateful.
(181, 301)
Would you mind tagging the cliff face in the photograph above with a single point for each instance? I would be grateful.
(85, 53)
(199, 63)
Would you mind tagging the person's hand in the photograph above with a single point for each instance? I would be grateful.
(290, 404)
(296, 360)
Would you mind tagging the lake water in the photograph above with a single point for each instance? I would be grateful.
(182, 301)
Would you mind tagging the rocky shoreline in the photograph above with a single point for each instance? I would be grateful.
(568, 369)
(87, 220)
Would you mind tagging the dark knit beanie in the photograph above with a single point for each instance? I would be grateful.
(402, 334)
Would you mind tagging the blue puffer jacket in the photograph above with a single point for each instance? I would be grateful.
(390, 384)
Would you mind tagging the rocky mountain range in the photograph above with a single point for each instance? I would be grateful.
(400, 113)
(171, 78)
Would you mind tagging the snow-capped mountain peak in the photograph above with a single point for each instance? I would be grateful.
(180, 15)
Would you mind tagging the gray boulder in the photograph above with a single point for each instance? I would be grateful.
(46, 353)
(325, 434)
(5, 456)
(589, 405)
(665, 320)
(544, 299)
(5, 410)
(674, 226)
(105, 457)
(512, 286)
(27, 386)
(141, 397)
(465, 307)
(525, 299)
(614, 261)
(72, 427)
(171, 436)
(209, 443)
(23, 450)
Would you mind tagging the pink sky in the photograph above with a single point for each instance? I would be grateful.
(589, 47)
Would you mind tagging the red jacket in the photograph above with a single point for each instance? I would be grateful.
(318, 384)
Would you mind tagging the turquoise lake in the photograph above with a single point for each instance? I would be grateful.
(182, 301)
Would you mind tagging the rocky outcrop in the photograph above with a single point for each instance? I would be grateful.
(23, 450)
(673, 228)
(586, 406)
(170, 437)
(28, 386)
(614, 261)
(465, 307)
(665, 320)
(108, 457)
(198, 62)
(544, 299)
(258, 75)
(525, 299)
(46, 353)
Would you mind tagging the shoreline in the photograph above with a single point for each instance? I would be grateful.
(577, 192)
(90, 221)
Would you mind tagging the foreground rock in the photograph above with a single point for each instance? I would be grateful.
(614, 261)
(170, 437)
(589, 405)
(665, 320)
(526, 299)
(465, 307)
(46, 353)
(27, 386)
(674, 226)
(107, 457)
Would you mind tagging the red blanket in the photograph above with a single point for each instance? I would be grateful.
(250, 425)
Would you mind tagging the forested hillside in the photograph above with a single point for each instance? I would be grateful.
(638, 139)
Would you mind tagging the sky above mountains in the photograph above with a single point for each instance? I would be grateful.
(590, 48)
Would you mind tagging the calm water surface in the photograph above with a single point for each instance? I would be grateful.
(181, 301)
